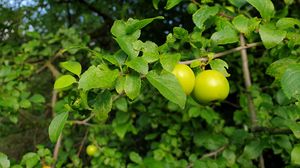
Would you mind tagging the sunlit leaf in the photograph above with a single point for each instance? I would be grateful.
(167, 84)
(72, 66)
(64, 81)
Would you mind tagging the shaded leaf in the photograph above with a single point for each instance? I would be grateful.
(171, 4)
(132, 86)
(30, 159)
(136, 158)
(155, 3)
(122, 124)
(56, 126)
(294, 126)
(253, 150)
(290, 81)
(37, 98)
(102, 105)
(238, 3)
(277, 68)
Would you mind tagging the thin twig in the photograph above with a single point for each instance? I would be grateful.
(267, 130)
(247, 80)
(55, 74)
(195, 2)
(214, 153)
(261, 161)
(82, 143)
(58, 54)
(220, 54)
(56, 150)
(83, 122)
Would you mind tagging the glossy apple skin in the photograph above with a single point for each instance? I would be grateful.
(185, 76)
(210, 85)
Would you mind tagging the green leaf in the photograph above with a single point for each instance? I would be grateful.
(118, 28)
(286, 23)
(134, 24)
(155, 3)
(167, 84)
(98, 77)
(271, 36)
(203, 14)
(121, 104)
(229, 156)
(30, 160)
(238, 3)
(295, 155)
(253, 150)
(241, 23)
(226, 35)
(150, 52)
(277, 68)
(206, 113)
(245, 25)
(56, 126)
(122, 124)
(37, 98)
(132, 86)
(180, 33)
(102, 105)
(136, 158)
(72, 66)
(4, 162)
(219, 65)
(25, 103)
(294, 126)
(150, 162)
(172, 3)
(139, 64)
(264, 7)
(64, 81)
(168, 61)
(290, 81)
(210, 141)
(120, 84)
(126, 43)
